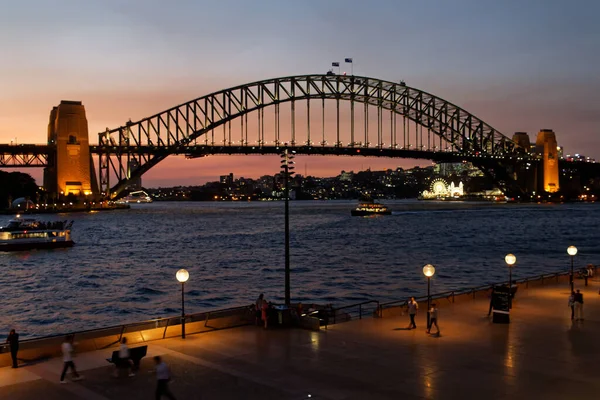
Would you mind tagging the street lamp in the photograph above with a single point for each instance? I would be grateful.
(428, 271)
(287, 169)
(572, 251)
(510, 259)
(182, 276)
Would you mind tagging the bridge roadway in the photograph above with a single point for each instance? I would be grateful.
(540, 355)
(12, 155)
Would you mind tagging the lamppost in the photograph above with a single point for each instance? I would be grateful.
(182, 276)
(572, 251)
(510, 259)
(287, 169)
(428, 271)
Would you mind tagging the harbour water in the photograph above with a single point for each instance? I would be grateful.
(122, 268)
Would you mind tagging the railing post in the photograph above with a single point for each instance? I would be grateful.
(166, 326)
(360, 311)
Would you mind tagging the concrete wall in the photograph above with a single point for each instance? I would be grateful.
(137, 334)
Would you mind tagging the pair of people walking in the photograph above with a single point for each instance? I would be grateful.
(413, 308)
(576, 305)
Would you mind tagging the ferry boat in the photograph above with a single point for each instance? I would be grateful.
(29, 234)
(370, 207)
(136, 197)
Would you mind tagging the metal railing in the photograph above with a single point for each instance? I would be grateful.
(346, 313)
(450, 296)
(155, 323)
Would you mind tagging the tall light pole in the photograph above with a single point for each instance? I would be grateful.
(182, 276)
(287, 169)
(510, 259)
(428, 271)
(572, 251)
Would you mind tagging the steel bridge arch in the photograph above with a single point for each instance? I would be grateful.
(165, 133)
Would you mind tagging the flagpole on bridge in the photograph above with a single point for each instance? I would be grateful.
(349, 61)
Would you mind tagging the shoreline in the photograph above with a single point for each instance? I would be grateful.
(64, 210)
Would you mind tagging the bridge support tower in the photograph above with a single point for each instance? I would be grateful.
(70, 166)
(547, 148)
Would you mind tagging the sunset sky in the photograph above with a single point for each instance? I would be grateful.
(518, 65)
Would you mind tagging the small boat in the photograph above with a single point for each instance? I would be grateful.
(370, 207)
(28, 234)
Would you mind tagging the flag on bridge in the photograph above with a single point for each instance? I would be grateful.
(348, 60)
(335, 64)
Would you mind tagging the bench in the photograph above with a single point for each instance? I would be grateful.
(135, 355)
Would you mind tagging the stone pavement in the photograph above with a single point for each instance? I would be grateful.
(541, 354)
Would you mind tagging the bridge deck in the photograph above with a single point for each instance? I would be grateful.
(541, 354)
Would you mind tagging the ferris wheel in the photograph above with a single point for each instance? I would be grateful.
(439, 186)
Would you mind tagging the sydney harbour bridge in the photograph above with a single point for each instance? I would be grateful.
(311, 114)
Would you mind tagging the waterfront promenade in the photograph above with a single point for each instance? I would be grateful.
(540, 354)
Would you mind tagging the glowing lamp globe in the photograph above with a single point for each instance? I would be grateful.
(572, 250)
(510, 259)
(429, 270)
(182, 275)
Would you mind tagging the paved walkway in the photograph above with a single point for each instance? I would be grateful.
(540, 355)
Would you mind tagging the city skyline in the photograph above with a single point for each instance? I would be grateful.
(517, 67)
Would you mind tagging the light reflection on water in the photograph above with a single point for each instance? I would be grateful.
(123, 266)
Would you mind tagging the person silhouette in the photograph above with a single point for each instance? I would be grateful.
(13, 341)
(163, 376)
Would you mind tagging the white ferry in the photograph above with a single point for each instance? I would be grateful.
(136, 197)
(29, 233)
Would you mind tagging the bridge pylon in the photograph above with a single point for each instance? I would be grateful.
(70, 167)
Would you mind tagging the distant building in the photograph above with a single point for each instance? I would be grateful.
(226, 179)
(346, 176)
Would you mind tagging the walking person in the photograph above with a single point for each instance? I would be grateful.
(412, 312)
(163, 376)
(258, 307)
(572, 305)
(124, 362)
(578, 306)
(67, 351)
(13, 342)
(265, 312)
(433, 318)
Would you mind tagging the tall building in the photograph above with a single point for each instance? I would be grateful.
(522, 139)
(546, 147)
(69, 168)
(226, 179)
